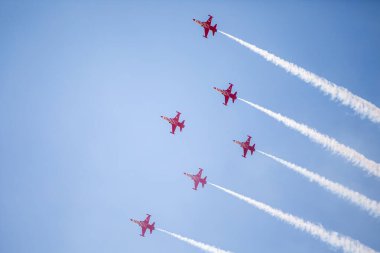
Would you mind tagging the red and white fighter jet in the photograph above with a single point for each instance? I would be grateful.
(246, 147)
(227, 94)
(175, 122)
(144, 225)
(197, 179)
(207, 26)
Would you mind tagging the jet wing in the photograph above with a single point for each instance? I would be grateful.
(143, 230)
(245, 152)
(174, 126)
(209, 20)
(177, 116)
(147, 219)
(206, 32)
(226, 98)
(229, 88)
(196, 182)
(199, 173)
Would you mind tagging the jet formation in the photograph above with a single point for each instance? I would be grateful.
(175, 122)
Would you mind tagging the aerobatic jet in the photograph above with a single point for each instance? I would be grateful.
(207, 26)
(175, 122)
(246, 147)
(227, 94)
(197, 179)
(144, 225)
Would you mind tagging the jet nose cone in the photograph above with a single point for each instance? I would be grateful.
(193, 19)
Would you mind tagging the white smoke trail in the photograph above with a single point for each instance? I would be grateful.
(200, 245)
(347, 244)
(358, 104)
(372, 206)
(327, 142)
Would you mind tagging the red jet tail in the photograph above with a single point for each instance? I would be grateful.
(151, 227)
(203, 181)
(213, 29)
(181, 125)
(234, 96)
(253, 148)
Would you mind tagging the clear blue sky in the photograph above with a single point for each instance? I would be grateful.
(83, 147)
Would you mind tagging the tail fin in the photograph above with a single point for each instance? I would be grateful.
(152, 227)
(204, 181)
(182, 125)
(214, 30)
(234, 96)
(253, 148)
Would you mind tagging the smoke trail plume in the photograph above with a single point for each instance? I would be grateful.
(358, 104)
(200, 245)
(371, 206)
(347, 244)
(327, 142)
